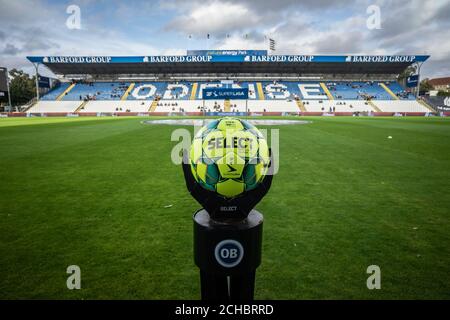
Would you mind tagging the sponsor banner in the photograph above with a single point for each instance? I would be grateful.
(72, 59)
(225, 93)
(274, 58)
(178, 59)
(386, 59)
(227, 52)
(36, 115)
(411, 81)
(3, 80)
(441, 103)
(3, 96)
(225, 114)
(44, 82)
(3, 85)
(289, 59)
(234, 57)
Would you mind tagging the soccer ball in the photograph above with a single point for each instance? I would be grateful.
(229, 156)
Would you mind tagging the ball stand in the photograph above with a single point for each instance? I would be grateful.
(227, 254)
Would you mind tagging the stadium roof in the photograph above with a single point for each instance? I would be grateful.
(228, 64)
(440, 81)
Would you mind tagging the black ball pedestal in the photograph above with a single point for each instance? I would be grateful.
(227, 253)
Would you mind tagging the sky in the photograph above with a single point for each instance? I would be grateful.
(170, 27)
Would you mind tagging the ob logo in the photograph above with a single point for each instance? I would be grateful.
(229, 253)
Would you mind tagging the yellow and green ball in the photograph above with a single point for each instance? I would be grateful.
(229, 156)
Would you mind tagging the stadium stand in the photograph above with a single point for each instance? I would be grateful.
(325, 97)
(438, 103)
(399, 91)
(115, 106)
(329, 106)
(276, 84)
(359, 90)
(264, 106)
(44, 106)
(271, 90)
(401, 106)
(270, 106)
(96, 91)
(323, 106)
(52, 95)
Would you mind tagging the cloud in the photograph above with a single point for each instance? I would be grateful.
(322, 27)
(337, 43)
(443, 14)
(263, 7)
(10, 49)
(416, 27)
(37, 28)
(215, 18)
(14, 14)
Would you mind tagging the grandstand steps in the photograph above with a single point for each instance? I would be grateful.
(426, 105)
(300, 105)
(81, 106)
(260, 91)
(227, 105)
(62, 95)
(194, 91)
(153, 106)
(126, 93)
(30, 105)
(389, 91)
(327, 92)
(374, 106)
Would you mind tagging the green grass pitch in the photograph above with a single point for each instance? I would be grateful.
(93, 192)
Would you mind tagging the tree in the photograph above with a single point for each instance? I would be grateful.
(442, 93)
(22, 87)
(409, 71)
(425, 85)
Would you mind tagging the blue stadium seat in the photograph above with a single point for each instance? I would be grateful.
(97, 91)
(400, 91)
(53, 94)
(143, 90)
(358, 90)
(272, 90)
